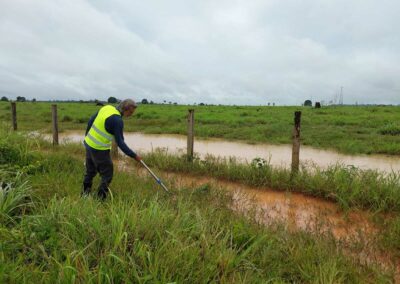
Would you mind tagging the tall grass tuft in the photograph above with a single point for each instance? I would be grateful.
(15, 197)
(390, 129)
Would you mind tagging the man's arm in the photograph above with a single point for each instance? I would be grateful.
(115, 126)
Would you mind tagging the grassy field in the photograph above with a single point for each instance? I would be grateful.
(348, 129)
(48, 234)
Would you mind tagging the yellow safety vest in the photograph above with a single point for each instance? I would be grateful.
(98, 137)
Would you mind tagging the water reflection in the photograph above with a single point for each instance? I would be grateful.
(278, 155)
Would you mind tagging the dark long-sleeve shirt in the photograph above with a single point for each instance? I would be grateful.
(114, 125)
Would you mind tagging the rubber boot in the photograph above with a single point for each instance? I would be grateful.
(102, 193)
(86, 189)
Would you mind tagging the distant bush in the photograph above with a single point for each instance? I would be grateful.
(112, 100)
(8, 154)
(66, 118)
(81, 120)
(307, 103)
(151, 115)
(16, 158)
(339, 122)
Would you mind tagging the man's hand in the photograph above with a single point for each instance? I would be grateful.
(138, 158)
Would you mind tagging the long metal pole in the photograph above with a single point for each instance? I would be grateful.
(155, 177)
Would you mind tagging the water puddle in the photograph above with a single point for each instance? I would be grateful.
(354, 230)
(298, 211)
(278, 155)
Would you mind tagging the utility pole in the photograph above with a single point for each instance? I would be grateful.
(341, 96)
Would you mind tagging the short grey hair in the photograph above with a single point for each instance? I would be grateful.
(126, 104)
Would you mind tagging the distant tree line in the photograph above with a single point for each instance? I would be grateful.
(110, 100)
(18, 99)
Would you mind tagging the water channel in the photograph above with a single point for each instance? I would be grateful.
(278, 155)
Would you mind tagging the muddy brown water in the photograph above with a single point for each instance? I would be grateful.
(353, 230)
(278, 155)
(297, 210)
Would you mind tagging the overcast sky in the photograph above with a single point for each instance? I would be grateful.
(222, 52)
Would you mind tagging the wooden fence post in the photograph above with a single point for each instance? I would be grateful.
(14, 115)
(190, 137)
(55, 124)
(114, 149)
(296, 142)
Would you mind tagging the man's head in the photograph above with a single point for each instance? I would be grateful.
(127, 107)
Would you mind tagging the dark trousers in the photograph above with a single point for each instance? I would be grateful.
(98, 161)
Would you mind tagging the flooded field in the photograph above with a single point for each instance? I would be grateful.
(278, 155)
(355, 230)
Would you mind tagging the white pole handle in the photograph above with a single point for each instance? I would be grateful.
(154, 176)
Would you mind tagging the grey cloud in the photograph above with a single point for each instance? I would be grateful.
(241, 52)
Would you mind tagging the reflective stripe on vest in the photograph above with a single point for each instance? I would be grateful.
(97, 141)
(108, 137)
(98, 137)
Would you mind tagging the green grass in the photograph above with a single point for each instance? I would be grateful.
(349, 187)
(142, 235)
(348, 129)
(389, 238)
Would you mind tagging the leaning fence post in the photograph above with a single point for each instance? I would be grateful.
(55, 124)
(114, 149)
(296, 142)
(190, 137)
(14, 115)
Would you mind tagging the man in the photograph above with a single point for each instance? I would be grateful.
(102, 127)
